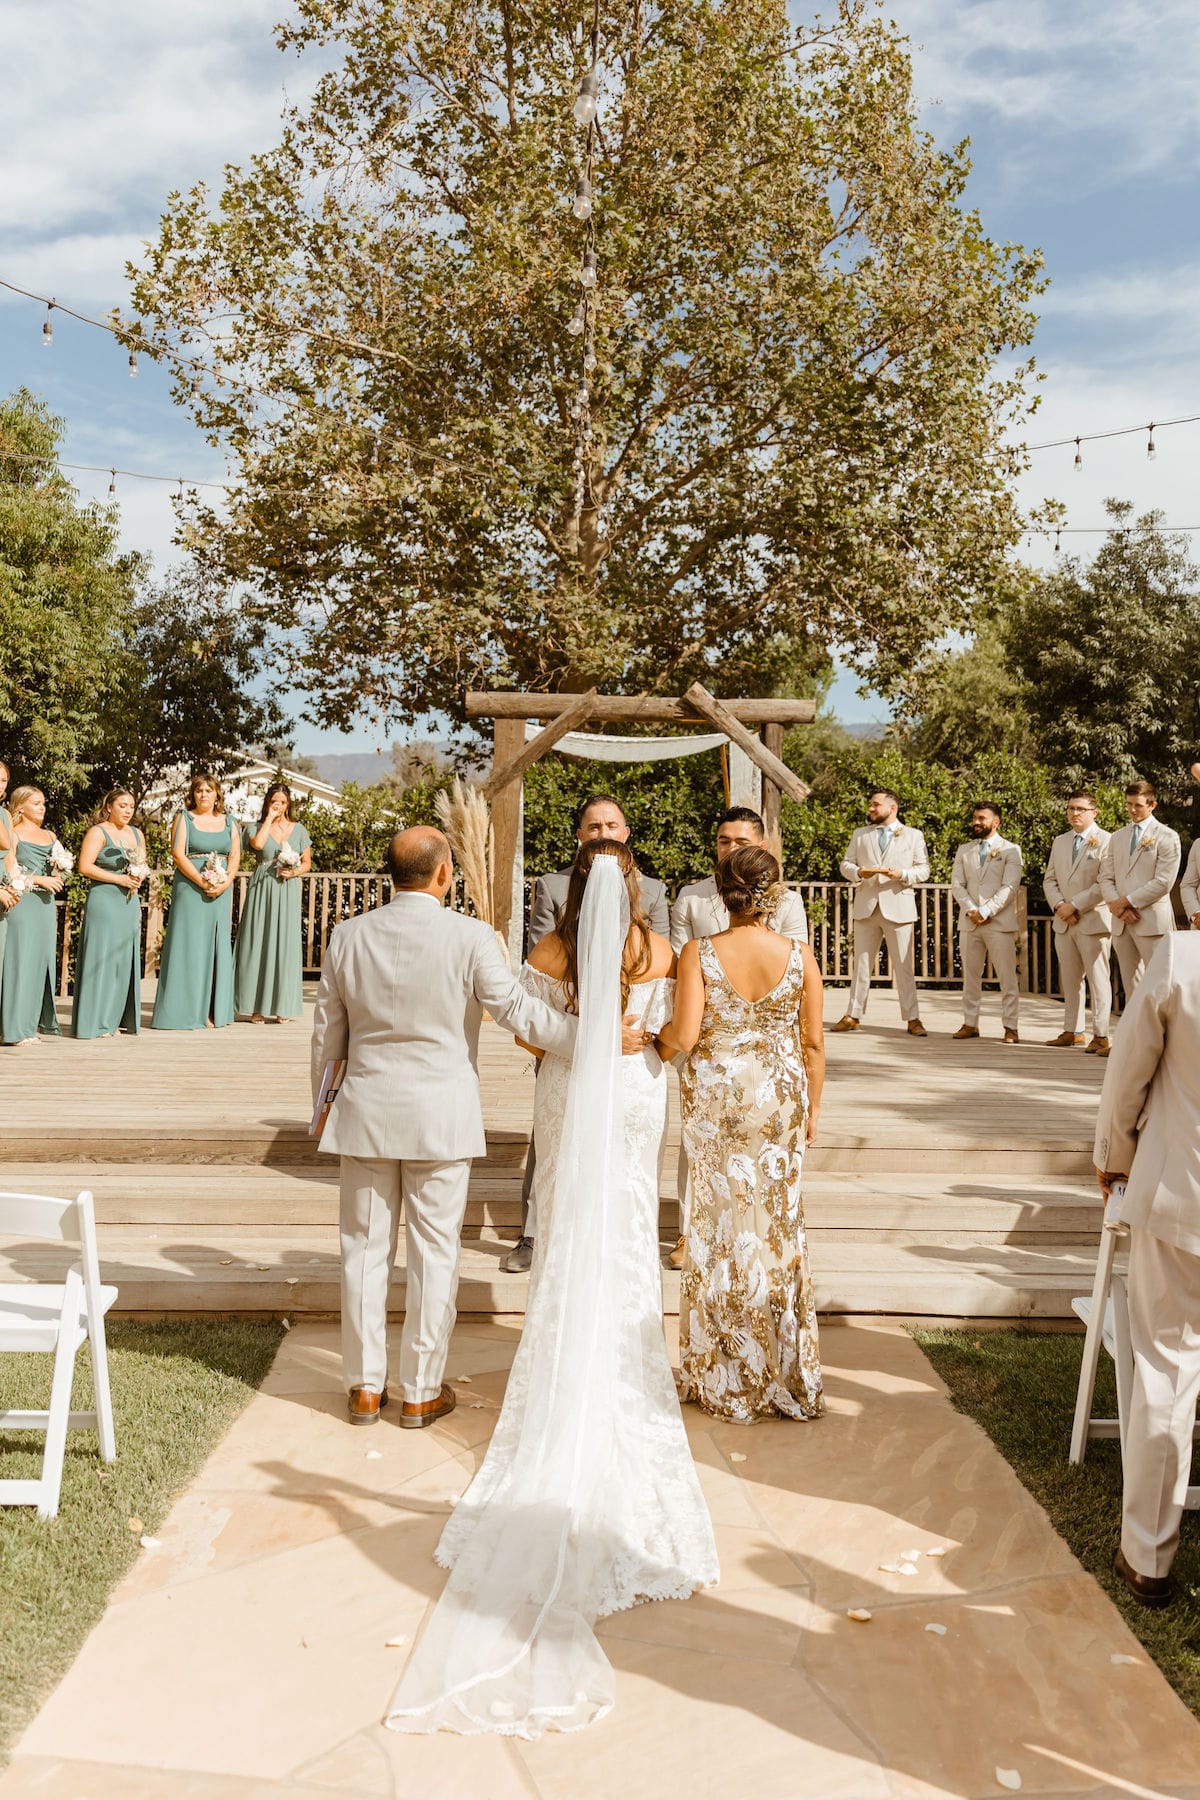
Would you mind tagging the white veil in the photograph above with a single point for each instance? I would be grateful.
(510, 1646)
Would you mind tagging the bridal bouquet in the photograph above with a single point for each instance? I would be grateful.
(140, 872)
(212, 871)
(61, 860)
(286, 858)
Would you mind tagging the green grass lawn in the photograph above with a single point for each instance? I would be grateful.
(177, 1387)
(1020, 1386)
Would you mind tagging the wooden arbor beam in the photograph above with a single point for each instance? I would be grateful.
(722, 716)
(576, 714)
(634, 708)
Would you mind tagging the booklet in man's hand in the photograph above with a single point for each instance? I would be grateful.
(331, 1082)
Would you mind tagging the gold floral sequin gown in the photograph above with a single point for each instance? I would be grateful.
(748, 1323)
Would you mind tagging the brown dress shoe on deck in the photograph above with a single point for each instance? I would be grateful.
(848, 1023)
(1098, 1047)
(1066, 1040)
(1011, 1037)
(678, 1253)
(415, 1414)
(967, 1031)
(916, 1029)
(1147, 1590)
(363, 1405)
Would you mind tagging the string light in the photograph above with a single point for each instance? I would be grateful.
(133, 366)
(1151, 452)
(48, 326)
(1095, 437)
(586, 101)
(582, 204)
(1078, 455)
(112, 486)
(578, 320)
(587, 274)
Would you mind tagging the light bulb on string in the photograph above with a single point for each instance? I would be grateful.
(589, 361)
(582, 204)
(133, 368)
(47, 326)
(578, 319)
(112, 486)
(584, 108)
(1078, 455)
(1058, 541)
(587, 274)
(1151, 449)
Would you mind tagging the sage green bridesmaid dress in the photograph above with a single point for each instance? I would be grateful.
(108, 965)
(195, 977)
(6, 822)
(30, 953)
(268, 974)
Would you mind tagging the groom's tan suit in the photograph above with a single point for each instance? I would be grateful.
(1143, 874)
(1149, 1128)
(1073, 878)
(401, 997)
(988, 883)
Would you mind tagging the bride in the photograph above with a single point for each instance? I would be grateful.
(587, 1501)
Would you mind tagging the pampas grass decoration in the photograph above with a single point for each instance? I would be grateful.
(464, 817)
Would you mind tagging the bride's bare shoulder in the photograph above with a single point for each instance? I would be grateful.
(662, 957)
(548, 956)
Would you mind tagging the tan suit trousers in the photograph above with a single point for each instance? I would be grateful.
(1164, 1326)
(1134, 949)
(975, 944)
(434, 1197)
(869, 933)
(1084, 956)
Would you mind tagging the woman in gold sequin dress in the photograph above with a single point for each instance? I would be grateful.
(748, 1017)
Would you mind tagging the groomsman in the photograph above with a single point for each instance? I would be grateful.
(883, 864)
(1082, 924)
(699, 911)
(600, 816)
(1189, 887)
(986, 877)
(1137, 873)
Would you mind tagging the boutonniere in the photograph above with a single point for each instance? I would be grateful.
(994, 855)
(1148, 841)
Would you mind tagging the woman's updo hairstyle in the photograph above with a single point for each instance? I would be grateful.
(748, 881)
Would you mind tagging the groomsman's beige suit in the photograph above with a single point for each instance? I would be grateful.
(699, 911)
(1149, 1129)
(1189, 887)
(401, 997)
(986, 879)
(1140, 864)
(1073, 879)
(884, 909)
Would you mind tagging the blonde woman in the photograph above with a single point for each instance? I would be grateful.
(31, 934)
(108, 967)
(195, 981)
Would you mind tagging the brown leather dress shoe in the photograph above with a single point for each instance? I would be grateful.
(848, 1023)
(1011, 1037)
(677, 1255)
(363, 1405)
(1098, 1047)
(967, 1031)
(916, 1029)
(1147, 1590)
(415, 1414)
(1066, 1040)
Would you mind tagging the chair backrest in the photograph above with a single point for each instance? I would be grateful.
(38, 1216)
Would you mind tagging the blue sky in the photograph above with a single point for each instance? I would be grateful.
(1085, 138)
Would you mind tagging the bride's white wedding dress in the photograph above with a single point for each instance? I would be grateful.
(587, 1500)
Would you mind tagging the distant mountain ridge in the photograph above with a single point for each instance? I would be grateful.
(361, 766)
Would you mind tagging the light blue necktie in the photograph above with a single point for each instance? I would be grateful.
(885, 838)
(983, 853)
(1078, 844)
(1135, 840)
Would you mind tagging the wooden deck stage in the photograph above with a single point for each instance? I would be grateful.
(950, 1180)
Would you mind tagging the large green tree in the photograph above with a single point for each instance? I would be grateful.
(65, 599)
(797, 424)
(1108, 653)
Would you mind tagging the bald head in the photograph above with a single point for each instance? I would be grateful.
(419, 860)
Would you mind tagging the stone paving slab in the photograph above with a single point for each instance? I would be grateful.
(248, 1655)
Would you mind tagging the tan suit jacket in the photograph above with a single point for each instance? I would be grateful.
(1190, 886)
(991, 889)
(1145, 878)
(401, 997)
(1076, 880)
(699, 911)
(1149, 1120)
(895, 899)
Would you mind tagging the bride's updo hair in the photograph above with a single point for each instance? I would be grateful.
(637, 957)
(748, 881)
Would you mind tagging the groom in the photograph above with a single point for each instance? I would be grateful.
(401, 996)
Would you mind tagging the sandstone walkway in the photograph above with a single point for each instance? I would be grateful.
(248, 1655)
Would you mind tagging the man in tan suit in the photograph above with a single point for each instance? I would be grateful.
(1082, 924)
(402, 993)
(1148, 1135)
(884, 862)
(985, 883)
(1189, 887)
(1137, 873)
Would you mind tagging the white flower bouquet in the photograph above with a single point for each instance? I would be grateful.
(19, 881)
(139, 870)
(61, 860)
(212, 871)
(286, 858)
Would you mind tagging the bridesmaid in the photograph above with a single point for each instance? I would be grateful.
(195, 981)
(748, 1015)
(31, 934)
(8, 897)
(108, 967)
(268, 972)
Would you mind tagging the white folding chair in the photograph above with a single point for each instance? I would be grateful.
(54, 1318)
(1105, 1313)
